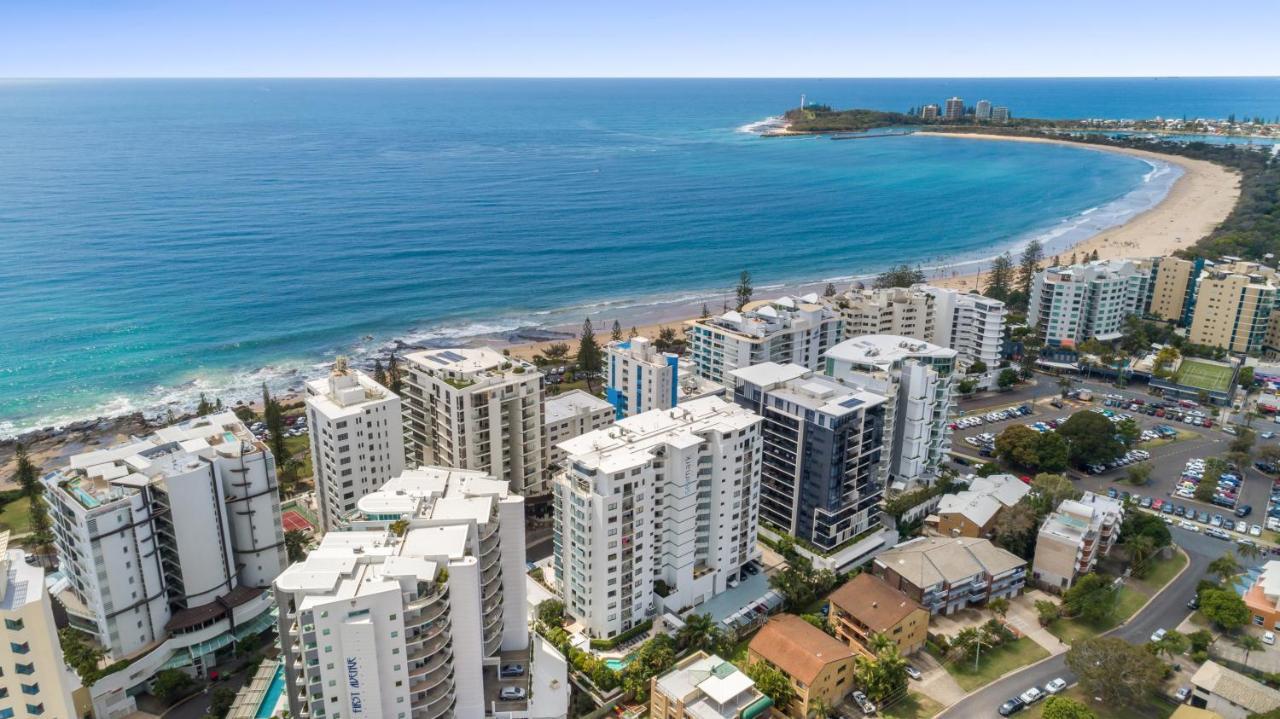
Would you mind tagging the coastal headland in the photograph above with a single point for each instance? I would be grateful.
(1196, 203)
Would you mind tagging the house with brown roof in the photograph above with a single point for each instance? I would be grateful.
(947, 574)
(818, 666)
(865, 606)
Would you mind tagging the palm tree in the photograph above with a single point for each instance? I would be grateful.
(971, 640)
(1249, 551)
(999, 606)
(698, 632)
(819, 707)
(1141, 549)
(1064, 385)
(1249, 643)
(1225, 567)
(879, 643)
(1173, 643)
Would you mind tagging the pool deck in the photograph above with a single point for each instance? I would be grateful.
(248, 703)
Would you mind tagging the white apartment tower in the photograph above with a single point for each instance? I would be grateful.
(357, 442)
(168, 543)
(970, 324)
(36, 681)
(906, 311)
(982, 111)
(1071, 304)
(657, 513)
(398, 613)
(918, 378)
(568, 415)
(1000, 114)
(475, 409)
(640, 378)
(786, 330)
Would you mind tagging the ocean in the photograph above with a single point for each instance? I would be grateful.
(165, 237)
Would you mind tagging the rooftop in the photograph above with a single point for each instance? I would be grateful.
(630, 442)
(757, 320)
(572, 403)
(798, 648)
(23, 583)
(932, 560)
(344, 391)
(348, 564)
(710, 687)
(883, 351)
(438, 493)
(464, 366)
(809, 390)
(873, 602)
(1256, 698)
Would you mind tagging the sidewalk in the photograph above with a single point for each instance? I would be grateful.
(1024, 617)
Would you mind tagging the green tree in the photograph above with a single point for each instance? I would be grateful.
(1092, 598)
(1128, 431)
(25, 475)
(744, 289)
(551, 613)
(883, 677)
(1091, 438)
(1142, 549)
(1064, 386)
(396, 383)
(1029, 265)
(169, 685)
(1007, 378)
(1053, 452)
(1225, 567)
(1172, 644)
(830, 290)
(772, 683)
(615, 334)
(1245, 378)
(1047, 612)
(1224, 608)
(970, 641)
(1138, 474)
(1018, 444)
(967, 386)
(295, 545)
(1059, 707)
(978, 367)
(1051, 489)
(1200, 640)
(221, 700)
(1015, 529)
(273, 417)
(1114, 670)
(899, 276)
(556, 352)
(590, 357)
(204, 407)
(379, 374)
(81, 654)
(1000, 277)
(1249, 644)
(666, 341)
(999, 606)
(699, 632)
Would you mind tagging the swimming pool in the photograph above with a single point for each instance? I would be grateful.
(272, 697)
(619, 664)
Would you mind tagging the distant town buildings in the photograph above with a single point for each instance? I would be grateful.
(824, 467)
(35, 673)
(641, 378)
(918, 379)
(929, 112)
(357, 441)
(787, 330)
(1073, 538)
(475, 409)
(819, 667)
(168, 543)
(982, 111)
(973, 512)
(954, 108)
(945, 574)
(656, 513)
(1071, 304)
(866, 606)
(704, 686)
(1000, 114)
(568, 415)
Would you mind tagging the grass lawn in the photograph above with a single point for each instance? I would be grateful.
(994, 663)
(1203, 375)
(1133, 595)
(1156, 708)
(1162, 572)
(912, 706)
(16, 516)
(300, 449)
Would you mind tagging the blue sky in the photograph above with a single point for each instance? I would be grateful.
(650, 38)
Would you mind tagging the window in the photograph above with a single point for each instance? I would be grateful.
(31, 688)
(25, 668)
(13, 624)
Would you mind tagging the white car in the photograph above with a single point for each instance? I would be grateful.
(1255, 531)
(1031, 696)
(1268, 638)
(1158, 634)
(1055, 686)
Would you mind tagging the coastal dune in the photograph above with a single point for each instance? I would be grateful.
(1197, 202)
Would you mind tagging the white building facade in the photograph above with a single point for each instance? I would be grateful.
(640, 378)
(1071, 304)
(658, 512)
(568, 415)
(168, 544)
(918, 378)
(475, 409)
(786, 330)
(973, 326)
(357, 441)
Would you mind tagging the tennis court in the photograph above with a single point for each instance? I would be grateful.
(1203, 375)
(293, 520)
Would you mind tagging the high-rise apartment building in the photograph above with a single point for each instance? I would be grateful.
(168, 544)
(475, 409)
(970, 324)
(906, 311)
(398, 613)
(929, 112)
(1233, 303)
(954, 108)
(1074, 303)
(821, 477)
(36, 681)
(568, 415)
(666, 498)
(1173, 291)
(357, 440)
(982, 111)
(918, 379)
(785, 330)
(1000, 114)
(641, 378)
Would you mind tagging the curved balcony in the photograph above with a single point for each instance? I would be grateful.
(435, 711)
(490, 558)
(428, 614)
(442, 691)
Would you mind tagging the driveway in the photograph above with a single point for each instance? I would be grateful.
(937, 683)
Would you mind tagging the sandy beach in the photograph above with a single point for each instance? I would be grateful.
(1198, 201)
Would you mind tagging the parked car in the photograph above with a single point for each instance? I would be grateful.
(511, 670)
(864, 703)
(509, 694)
(1158, 634)
(1244, 510)
(1183, 694)
(1013, 706)
(1268, 638)
(1055, 685)
(1032, 695)
(913, 672)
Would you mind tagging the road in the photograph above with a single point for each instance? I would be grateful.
(1166, 610)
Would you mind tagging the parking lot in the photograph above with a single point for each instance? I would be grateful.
(494, 683)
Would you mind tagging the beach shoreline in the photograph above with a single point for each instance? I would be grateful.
(1194, 205)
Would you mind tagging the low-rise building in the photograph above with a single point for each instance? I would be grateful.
(1073, 538)
(866, 606)
(568, 415)
(972, 512)
(704, 686)
(1229, 693)
(796, 330)
(949, 574)
(819, 667)
(1263, 597)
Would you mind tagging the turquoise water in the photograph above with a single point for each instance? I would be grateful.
(274, 690)
(619, 664)
(163, 238)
